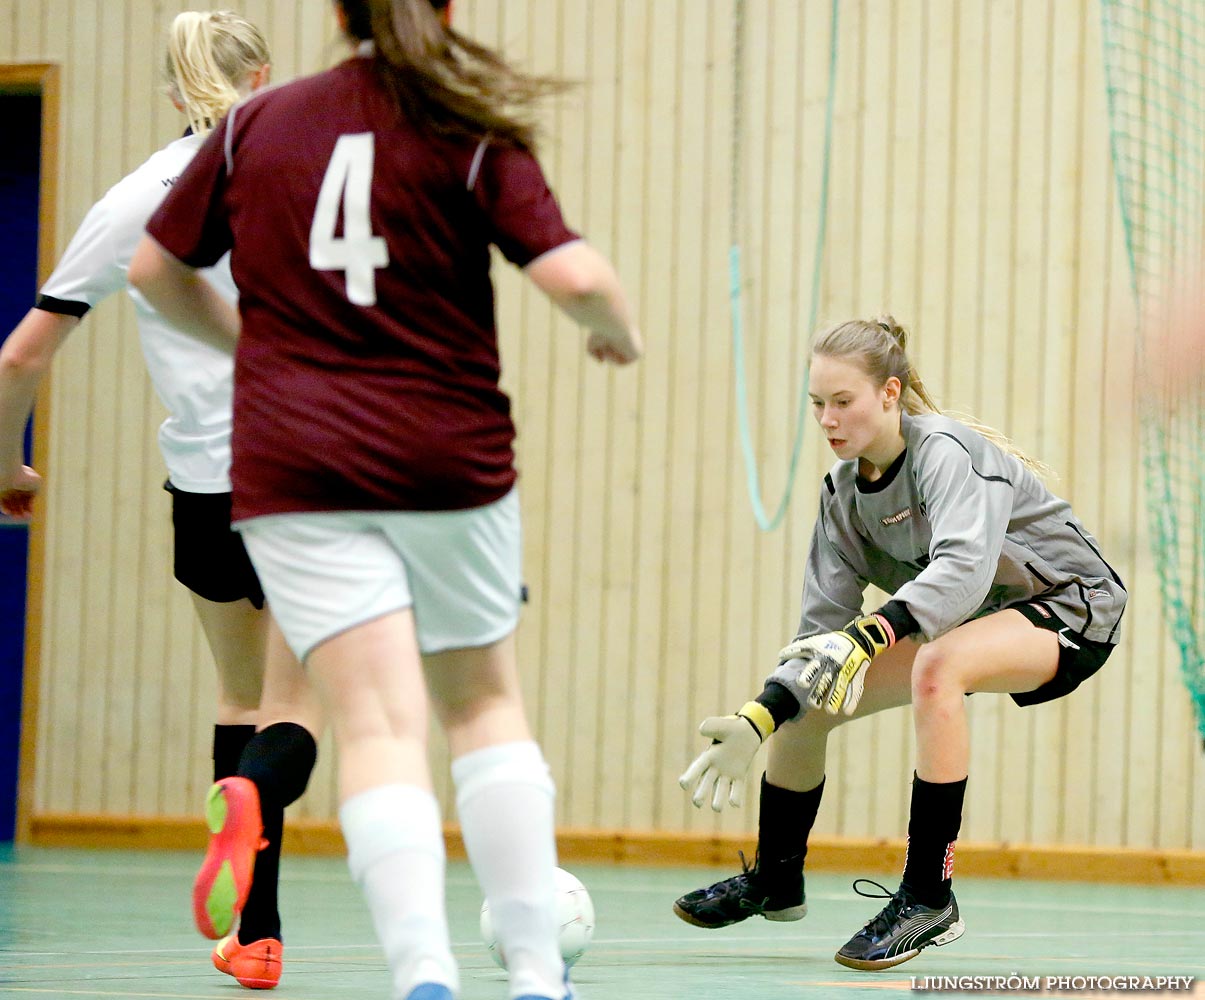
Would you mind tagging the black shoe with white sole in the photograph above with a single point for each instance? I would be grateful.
(749, 894)
(902, 928)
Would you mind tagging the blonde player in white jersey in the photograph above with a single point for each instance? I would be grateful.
(214, 60)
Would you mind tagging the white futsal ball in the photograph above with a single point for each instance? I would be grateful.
(575, 914)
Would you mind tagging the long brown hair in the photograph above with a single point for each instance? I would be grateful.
(444, 80)
(880, 345)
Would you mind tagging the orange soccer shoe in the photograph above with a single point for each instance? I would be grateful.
(256, 965)
(221, 887)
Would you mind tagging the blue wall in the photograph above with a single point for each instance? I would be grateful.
(18, 284)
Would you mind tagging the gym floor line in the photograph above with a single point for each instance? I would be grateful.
(77, 923)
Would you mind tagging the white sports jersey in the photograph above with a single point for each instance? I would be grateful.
(193, 379)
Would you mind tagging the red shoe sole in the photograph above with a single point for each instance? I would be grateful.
(220, 890)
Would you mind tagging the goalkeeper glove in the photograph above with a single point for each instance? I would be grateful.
(833, 668)
(719, 771)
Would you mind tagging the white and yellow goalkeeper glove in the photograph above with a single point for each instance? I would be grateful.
(719, 771)
(832, 667)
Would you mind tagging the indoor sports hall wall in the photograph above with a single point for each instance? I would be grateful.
(970, 196)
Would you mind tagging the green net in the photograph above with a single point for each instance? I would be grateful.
(1154, 55)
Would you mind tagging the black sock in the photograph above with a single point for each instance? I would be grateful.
(228, 744)
(279, 760)
(784, 822)
(933, 824)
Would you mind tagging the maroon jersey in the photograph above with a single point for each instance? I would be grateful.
(366, 375)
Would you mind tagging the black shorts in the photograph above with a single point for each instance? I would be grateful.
(209, 558)
(1079, 658)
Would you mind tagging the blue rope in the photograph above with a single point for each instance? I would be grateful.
(752, 476)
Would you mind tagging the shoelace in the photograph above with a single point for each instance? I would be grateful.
(752, 870)
(725, 888)
(889, 914)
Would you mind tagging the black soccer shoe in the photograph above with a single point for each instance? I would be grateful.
(738, 898)
(902, 928)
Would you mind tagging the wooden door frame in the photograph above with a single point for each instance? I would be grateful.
(42, 80)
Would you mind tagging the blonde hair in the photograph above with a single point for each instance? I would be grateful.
(209, 54)
(881, 346)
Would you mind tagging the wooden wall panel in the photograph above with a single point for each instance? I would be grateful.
(971, 196)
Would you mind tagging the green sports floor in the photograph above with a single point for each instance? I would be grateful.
(117, 924)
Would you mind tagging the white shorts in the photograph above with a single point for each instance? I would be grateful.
(325, 573)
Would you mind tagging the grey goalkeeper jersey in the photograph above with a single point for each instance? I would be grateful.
(955, 529)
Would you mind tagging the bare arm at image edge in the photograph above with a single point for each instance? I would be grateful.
(183, 297)
(584, 285)
(24, 359)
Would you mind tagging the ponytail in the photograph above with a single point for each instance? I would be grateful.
(209, 55)
(444, 81)
(882, 346)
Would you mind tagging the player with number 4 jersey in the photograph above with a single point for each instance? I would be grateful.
(365, 282)
(373, 471)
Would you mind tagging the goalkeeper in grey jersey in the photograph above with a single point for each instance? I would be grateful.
(995, 587)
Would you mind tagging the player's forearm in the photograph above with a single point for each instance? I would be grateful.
(17, 391)
(778, 700)
(798, 681)
(182, 297)
(24, 359)
(604, 309)
(583, 284)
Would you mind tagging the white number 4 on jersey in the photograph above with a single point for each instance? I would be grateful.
(357, 252)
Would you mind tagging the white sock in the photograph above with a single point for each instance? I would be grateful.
(504, 796)
(395, 851)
